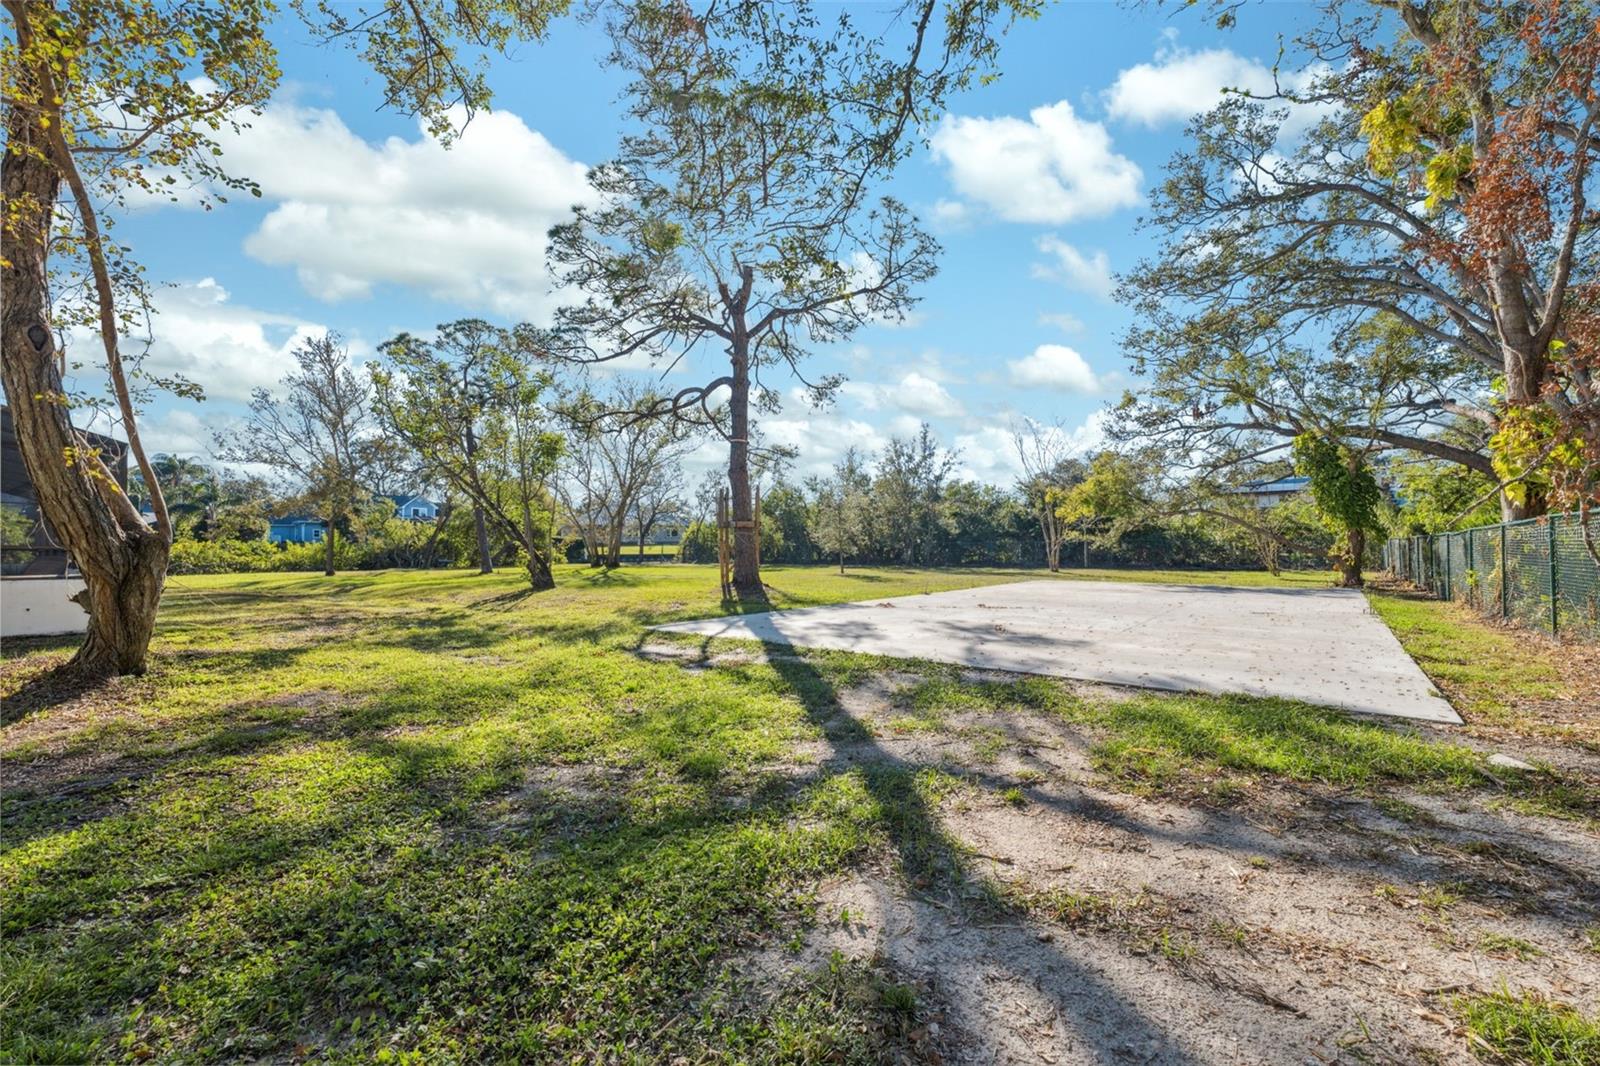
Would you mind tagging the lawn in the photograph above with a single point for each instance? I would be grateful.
(432, 817)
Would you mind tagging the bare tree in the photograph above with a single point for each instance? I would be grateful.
(618, 458)
(584, 488)
(321, 435)
(661, 496)
(1048, 470)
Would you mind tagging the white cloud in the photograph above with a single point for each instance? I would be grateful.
(1054, 167)
(176, 432)
(465, 224)
(990, 454)
(1087, 273)
(1064, 321)
(1181, 83)
(822, 438)
(1054, 366)
(915, 394)
(919, 394)
(951, 214)
(199, 334)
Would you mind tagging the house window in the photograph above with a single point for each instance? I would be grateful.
(416, 512)
(316, 534)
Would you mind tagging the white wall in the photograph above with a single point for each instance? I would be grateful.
(38, 606)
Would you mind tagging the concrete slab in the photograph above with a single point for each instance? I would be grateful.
(1322, 646)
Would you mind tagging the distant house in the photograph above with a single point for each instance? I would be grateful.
(295, 529)
(1273, 492)
(414, 508)
(667, 530)
(31, 548)
(37, 577)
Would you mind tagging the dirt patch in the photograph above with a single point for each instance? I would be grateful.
(557, 803)
(1090, 926)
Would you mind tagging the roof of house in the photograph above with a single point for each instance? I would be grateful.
(405, 498)
(1280, 484)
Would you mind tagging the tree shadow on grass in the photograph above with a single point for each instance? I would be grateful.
(49, 688)
(931, 863)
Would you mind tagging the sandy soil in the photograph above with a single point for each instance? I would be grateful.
(1301, 926)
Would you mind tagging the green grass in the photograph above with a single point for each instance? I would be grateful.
(434, 817)
(1484, 670)
(1213, 746)
(1508, 946)
(1526, 1029)
(324, 821)
(1285, 579)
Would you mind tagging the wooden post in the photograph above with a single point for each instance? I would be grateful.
(724, 520)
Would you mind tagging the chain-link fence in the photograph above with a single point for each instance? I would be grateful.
(1537, 572)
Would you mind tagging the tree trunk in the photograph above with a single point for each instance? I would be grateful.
(328, 534)
(841, 563)
(1355, 546)
(485, 559)
(123, 562)
(430, 551)
(122, 614)
(746, 561)
(539, 575)
(1525, 365)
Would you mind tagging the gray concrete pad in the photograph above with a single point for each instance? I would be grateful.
(1322, 646)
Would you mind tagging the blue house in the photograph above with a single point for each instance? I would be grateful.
(414, 508)
(295, 529)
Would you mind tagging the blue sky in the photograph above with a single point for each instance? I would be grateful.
(1034, 185)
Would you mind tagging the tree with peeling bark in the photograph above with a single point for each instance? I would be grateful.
(105, 102)
(470, 407)
(1437, 171)
(1492, 112)
(321, 436)
(95, 109)
(743, 222)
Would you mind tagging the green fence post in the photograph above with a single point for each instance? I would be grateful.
(1505, 604)
(1449, 590)
(1551, 522)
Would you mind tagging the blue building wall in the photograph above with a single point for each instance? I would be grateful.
(295, 531)
(415, 508)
